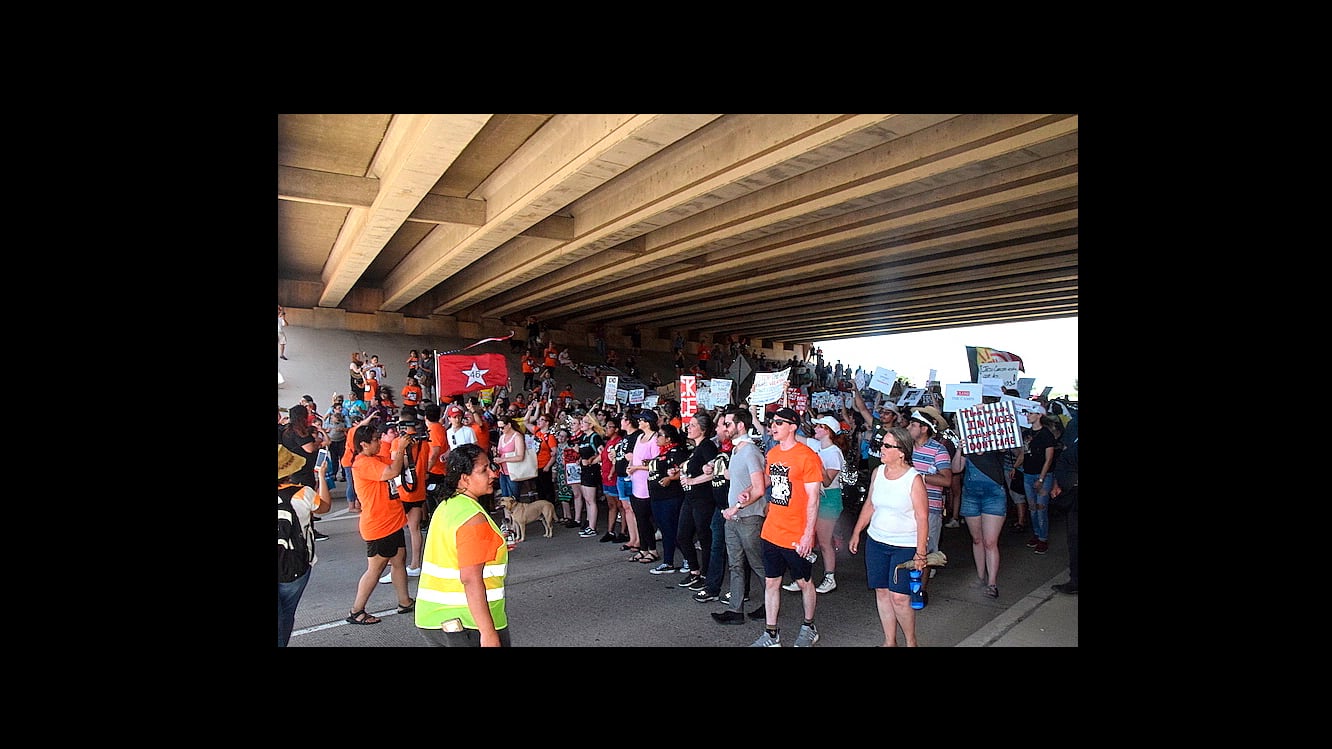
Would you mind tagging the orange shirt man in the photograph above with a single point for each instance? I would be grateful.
(552, 355)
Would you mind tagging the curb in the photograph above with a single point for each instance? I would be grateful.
(1001, 625)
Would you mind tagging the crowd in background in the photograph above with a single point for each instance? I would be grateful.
(635, 476)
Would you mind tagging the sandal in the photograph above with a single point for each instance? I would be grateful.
(627, 547)
(649, 557)
(409, 607)
(360, 617)
(637, 555)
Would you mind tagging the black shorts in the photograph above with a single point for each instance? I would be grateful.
(387, 546)
(407, 506)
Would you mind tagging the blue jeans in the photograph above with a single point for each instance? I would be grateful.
(1040, 519)
(666, 514)
(351, 491)
(508, 487)
(289, 597)
(717, 559)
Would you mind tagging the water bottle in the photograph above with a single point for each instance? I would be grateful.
(917, 595)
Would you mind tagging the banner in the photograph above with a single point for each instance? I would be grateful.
(460, 373)
(978, 355)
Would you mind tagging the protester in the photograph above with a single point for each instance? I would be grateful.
(305, 502)
(462, 589)
(795, 474)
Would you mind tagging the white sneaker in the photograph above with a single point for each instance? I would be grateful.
(792, 587)
(387, 578)
(933, 572)
(416, 572)
(828, 585)
(953, 524)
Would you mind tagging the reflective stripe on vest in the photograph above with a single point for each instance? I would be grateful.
(440, 595)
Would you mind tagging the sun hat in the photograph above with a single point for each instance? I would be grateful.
(288, 462)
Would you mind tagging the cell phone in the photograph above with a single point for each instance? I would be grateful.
(322, 458)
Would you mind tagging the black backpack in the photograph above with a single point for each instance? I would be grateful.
(294, 541)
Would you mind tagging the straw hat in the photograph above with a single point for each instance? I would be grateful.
(936, 420)
(288, 462)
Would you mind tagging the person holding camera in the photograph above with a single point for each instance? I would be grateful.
(414, 440)
(381, 522)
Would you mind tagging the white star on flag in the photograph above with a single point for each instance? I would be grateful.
(475, 375)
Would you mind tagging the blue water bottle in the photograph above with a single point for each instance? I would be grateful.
(917, 595)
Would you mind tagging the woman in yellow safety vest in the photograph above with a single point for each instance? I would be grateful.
(460, 596)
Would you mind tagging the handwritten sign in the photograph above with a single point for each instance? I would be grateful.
(612, 388)
(721, 392)
(989, 426)
(883, 380)
(768, 387)
(1006, 371)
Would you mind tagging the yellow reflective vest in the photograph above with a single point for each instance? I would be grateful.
(440, 595)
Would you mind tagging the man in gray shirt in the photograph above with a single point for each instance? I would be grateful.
(743, 525)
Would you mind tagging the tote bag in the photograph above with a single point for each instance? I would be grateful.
(525, 469)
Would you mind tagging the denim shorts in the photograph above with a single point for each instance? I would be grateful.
(881, 562)
(610, 490)
(626, 487)
(982, 497)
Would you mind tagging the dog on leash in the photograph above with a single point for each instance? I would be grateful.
(523, 513)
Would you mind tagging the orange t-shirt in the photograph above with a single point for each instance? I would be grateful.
(551, 354)
(545, 444)
(380, 516)
(371, 390)
(439, 436)
(788, 510)
(528, 363)
(411, 395)
(422, 449)
(481, 428)
(351, 449)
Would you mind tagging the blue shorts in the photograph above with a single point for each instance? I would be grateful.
(881, 561)
(830, 504)
(982, 497)
(611, 491)
(776, 562)
(626, 488)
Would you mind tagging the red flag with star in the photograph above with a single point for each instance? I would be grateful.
(461, 373)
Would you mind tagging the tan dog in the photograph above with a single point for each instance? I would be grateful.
(525, 512)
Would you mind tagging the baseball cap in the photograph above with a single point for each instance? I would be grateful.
(648, 416)
(833, 425)
(788, 414)
(453, 411)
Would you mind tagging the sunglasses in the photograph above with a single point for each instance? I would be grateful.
(781, 422)
(895, 447)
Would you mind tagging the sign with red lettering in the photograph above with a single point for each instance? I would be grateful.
(988, 426)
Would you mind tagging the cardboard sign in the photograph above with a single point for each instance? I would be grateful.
(611, 391)
(989, 426)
